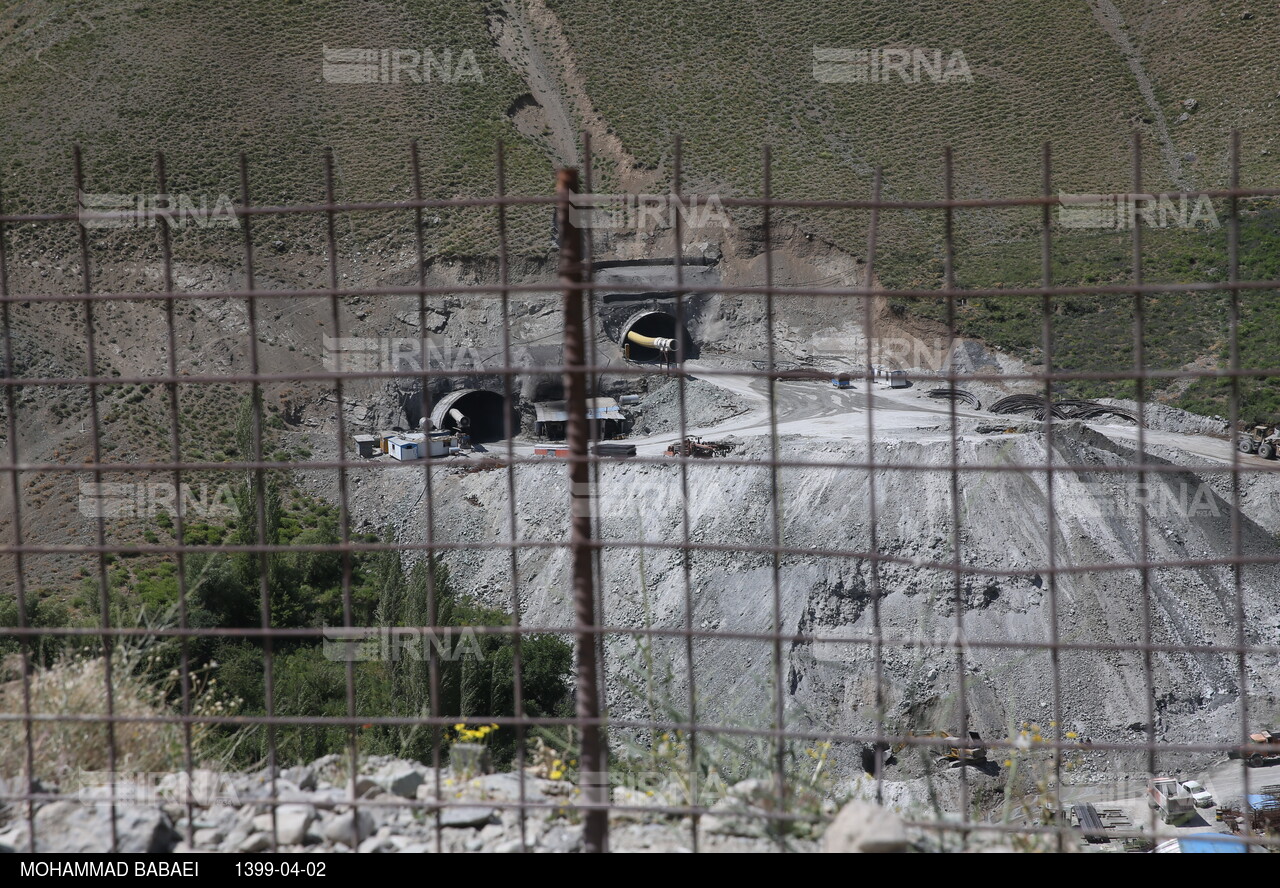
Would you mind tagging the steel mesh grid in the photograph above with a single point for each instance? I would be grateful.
(581, 370)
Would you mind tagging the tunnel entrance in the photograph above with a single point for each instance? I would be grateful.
(657, 329)
(479, 413)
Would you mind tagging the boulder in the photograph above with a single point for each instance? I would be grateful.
(465, 816)
(402, 780)
(76, 828)
(864, 828)
(350, 828)
(291, 821)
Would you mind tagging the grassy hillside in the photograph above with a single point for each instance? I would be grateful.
(1095, 333)
(205, 81)
(1083, 76)
(1040, 71)
(1221, 54)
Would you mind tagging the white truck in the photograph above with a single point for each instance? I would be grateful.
(1168, 797)
(1201, 796)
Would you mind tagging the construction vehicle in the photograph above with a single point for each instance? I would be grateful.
(1261, 439)
(1168, 797)
(698, 448)
(953, 752)
(1264, 756)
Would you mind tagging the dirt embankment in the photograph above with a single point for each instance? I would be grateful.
(704, 404)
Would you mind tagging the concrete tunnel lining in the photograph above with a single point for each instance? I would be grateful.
(484, 408)
(652, 323)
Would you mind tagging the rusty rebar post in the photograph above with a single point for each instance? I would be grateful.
(593, 781)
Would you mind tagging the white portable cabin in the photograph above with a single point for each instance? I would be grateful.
(438, 445)
(418, 446)
(403, 449)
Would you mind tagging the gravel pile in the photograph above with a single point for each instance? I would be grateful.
(828, 684)
(1170, 419)
(705, 405)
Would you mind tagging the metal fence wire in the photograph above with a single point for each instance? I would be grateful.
(898, 599)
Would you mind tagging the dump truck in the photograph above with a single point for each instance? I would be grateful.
(1168, 797)
(1264, 756)
(1261, 439)
(698, 448)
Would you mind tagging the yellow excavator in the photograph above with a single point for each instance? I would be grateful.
(953, 751)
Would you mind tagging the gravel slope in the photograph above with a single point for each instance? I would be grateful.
(830, 684)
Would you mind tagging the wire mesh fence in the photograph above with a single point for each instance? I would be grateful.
(963, 622)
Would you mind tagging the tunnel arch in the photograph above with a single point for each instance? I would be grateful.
(484, 409)
(652, 323)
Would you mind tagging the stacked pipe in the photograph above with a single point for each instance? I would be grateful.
(1068, 408)
(1097, 410)
(956, 394)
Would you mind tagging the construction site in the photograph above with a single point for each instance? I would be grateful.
(842, 428)
(524, 426)
(803, 510)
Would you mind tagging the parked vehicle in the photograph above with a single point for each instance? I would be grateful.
(1165, 795)
(1262, 756)
(1201, 796)
(698, 448)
